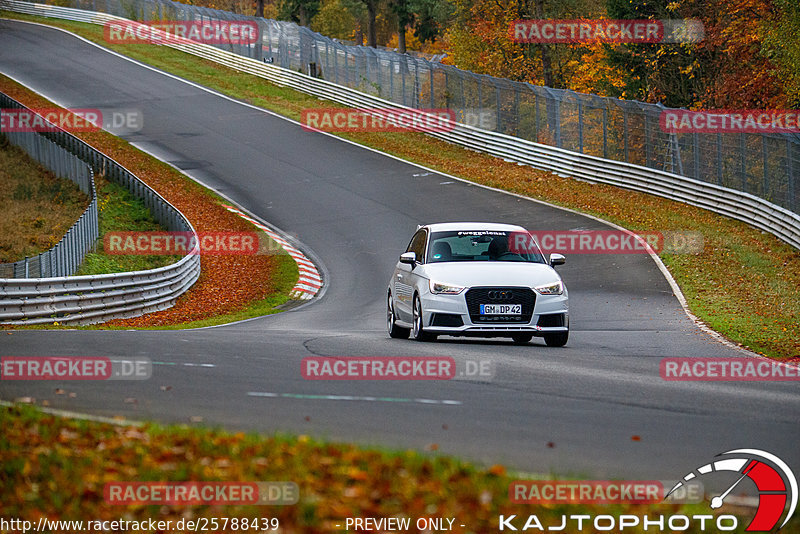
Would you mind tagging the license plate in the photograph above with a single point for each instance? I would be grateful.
(501, 309)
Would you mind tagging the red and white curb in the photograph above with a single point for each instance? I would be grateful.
(310, 282)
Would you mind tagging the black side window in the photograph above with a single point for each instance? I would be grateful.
(417, 245)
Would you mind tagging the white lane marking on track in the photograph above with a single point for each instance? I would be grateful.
(272, 395)
(186, 364)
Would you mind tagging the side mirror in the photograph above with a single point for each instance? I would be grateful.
(557, 259)
(409, 258)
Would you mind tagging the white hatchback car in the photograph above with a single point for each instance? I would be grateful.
(477, 279)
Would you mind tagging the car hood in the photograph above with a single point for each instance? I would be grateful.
(473, 274)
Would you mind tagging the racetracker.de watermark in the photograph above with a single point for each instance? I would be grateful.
(74, 368)
(607, 242)
(600, 492)
(76, 120)
(239, 32)
(730, 121)
(727, 370)
(183, 243)
(201, 493)
(395, 368)
(619, 31)
(378, 120)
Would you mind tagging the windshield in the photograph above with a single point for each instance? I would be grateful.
(483, 245)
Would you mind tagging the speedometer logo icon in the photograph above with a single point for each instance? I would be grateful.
(775, 482)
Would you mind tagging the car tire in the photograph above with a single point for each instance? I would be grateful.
(556, 340)
(521, 339)
(419, 331)
(396, 332)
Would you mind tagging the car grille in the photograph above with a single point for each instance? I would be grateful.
(500, 295)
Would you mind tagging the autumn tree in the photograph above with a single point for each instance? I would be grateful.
(482, 42)
(736, 70)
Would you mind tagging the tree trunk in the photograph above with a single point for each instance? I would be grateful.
(547, 62)
(372, 13)
(260, 8)
(401, 40)
(359, 35)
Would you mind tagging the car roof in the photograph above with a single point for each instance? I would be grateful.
(445, 227)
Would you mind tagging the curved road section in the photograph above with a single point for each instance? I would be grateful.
(597, 407)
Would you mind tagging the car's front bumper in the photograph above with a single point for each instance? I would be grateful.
(442, 313)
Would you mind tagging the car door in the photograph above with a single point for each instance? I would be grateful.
(405, 277)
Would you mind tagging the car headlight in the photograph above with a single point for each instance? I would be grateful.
(446, 289)
(551, 289)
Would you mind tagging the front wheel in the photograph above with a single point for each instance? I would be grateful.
(419, 331)
(556, 340)
(397, 332)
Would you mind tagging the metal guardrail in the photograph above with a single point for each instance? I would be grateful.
(65, 257)
(726, 201)
(98, 298)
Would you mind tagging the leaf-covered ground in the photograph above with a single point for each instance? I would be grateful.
(57, 468)
(38, 207)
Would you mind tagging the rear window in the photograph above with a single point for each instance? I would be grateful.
(483, 245)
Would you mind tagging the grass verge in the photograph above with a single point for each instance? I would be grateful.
(745, 284)
(57, 468)
(119, 210)
(38, 207)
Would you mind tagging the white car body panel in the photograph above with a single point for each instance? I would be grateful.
(476, 273)
(451, 314)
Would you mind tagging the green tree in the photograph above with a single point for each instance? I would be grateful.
(670, 73)
(368, 9)
(334, 20)
(402, 10)
(299, 11)
(781, 31)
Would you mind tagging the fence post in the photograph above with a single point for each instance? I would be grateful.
(719, 159)
(498, 115)
(433, 101)
(346, 70)
(765, 157)
(403, 71)
(625, 133)
(742, 160)
(580, 125)
(790, 173)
